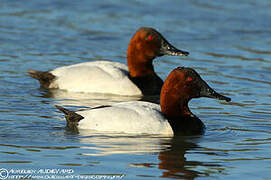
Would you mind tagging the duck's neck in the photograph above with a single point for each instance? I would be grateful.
(139, 63)
(138, 68)
(181, 119)
(141, 71)
(173, 107)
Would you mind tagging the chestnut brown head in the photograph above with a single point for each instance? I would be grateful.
(145, 45)
(181, 85)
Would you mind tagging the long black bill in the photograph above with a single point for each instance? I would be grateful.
(168, 49)
(207, 91)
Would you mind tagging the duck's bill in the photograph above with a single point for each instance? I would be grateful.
(168, 49)
(207, 91)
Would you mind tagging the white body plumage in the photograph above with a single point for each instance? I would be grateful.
(129, 117)
(95, 77)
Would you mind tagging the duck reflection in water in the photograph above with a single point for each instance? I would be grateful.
(174, 164)
(171, 152)
(172, 159)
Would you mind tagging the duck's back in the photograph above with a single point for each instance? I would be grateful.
(129, 117)
(95, 77)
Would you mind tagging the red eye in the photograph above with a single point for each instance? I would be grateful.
(150, 37)
(189, 79)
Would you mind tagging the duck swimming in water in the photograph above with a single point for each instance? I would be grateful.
(173, 116)
(137, 79)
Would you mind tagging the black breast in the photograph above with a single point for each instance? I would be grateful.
(187, 125)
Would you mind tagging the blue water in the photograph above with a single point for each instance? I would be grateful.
(229, 45)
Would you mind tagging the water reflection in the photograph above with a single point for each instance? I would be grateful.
(65, 98)
(170, 151)
(172, 159)
(118, 143)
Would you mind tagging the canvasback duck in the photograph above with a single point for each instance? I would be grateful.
(171, 117)
(138, 78)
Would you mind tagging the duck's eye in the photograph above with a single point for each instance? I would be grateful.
(189, 79)
(150, 37)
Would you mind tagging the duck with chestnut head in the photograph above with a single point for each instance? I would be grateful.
(173, 116)
(136, 79)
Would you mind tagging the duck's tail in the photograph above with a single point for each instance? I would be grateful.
(72, 118)
(45, 77)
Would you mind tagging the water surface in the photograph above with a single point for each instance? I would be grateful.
(229, 45)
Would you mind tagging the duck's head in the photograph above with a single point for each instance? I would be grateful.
(145, 45)
(181, 85)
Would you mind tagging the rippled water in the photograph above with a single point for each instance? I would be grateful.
(229, 45)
